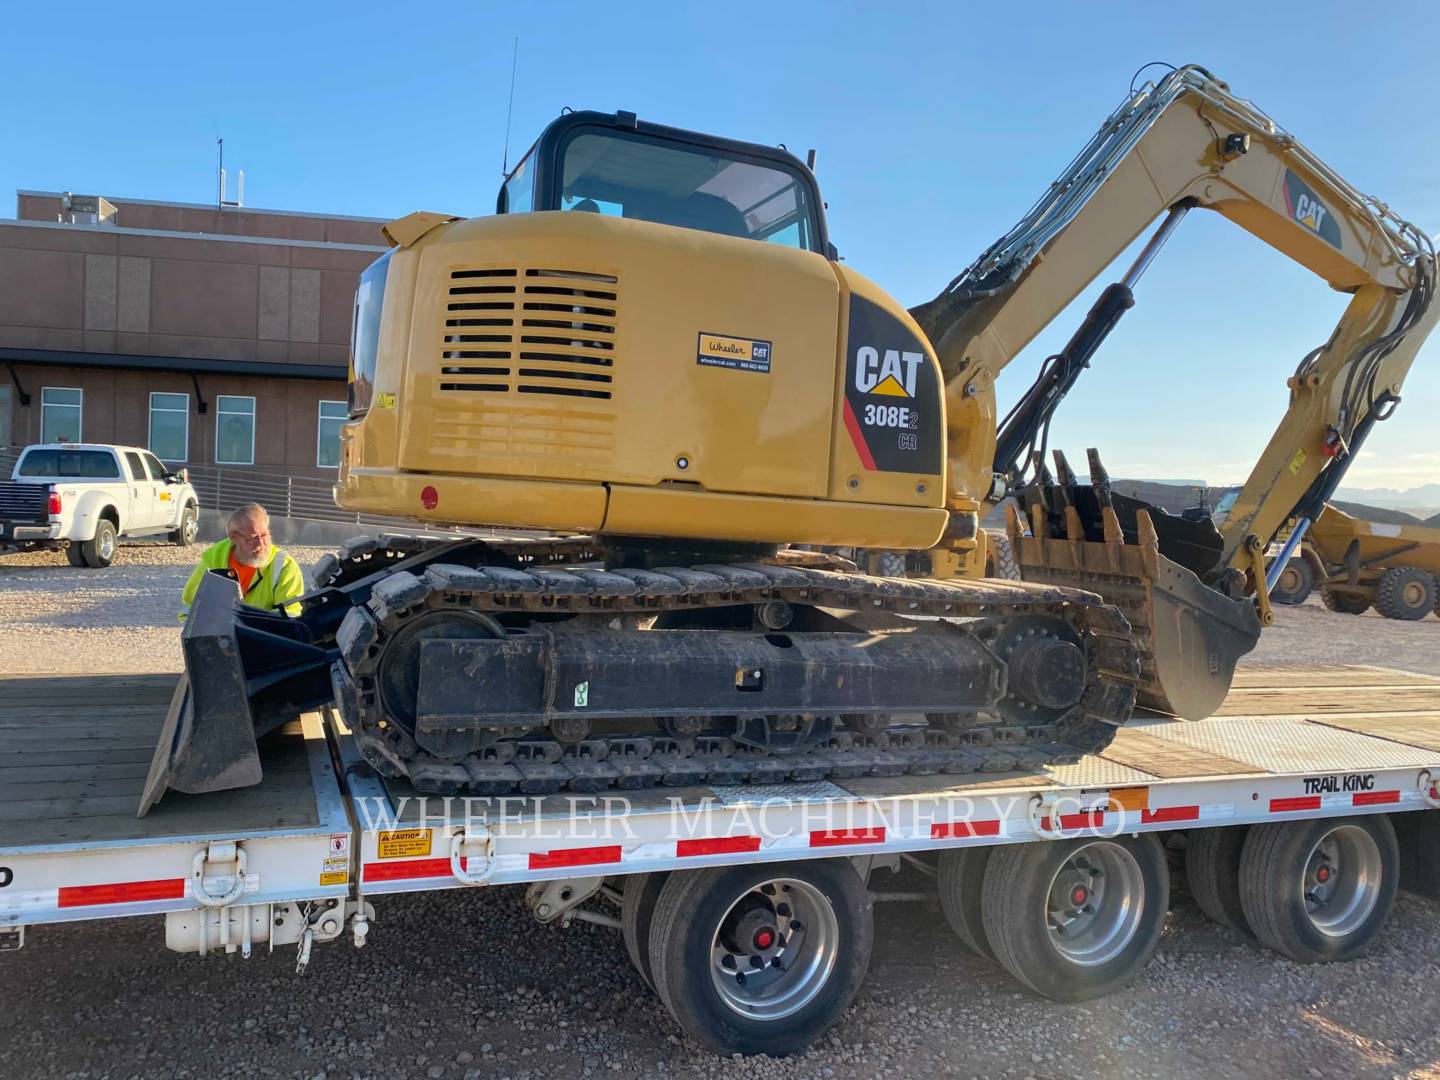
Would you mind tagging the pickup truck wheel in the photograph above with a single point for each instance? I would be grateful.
(1075, 919)
(761, 959)
(184, 536)
(99, 551)
(74, 555)
(1319, 890)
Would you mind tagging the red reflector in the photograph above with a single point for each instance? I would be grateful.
(409, 868)
(720, 845)
(953, 829)
(126, 892)
(832, 837)
(1300, 802)
(1170, 813)
(56, 504)
(1086, 819)
(1374, 798)
(584, 856)
(429, 497)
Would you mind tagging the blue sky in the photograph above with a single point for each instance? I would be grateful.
(936, 126)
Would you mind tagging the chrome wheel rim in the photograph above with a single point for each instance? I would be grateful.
(190, 527)
(774, 949)
(1342, 880)
(1095, 903)
(106, 546)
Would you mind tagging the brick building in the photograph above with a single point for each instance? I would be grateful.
(216, 337)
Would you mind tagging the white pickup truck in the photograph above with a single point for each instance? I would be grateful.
(83, 497)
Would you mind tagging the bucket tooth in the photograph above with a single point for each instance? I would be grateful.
(1064, 475)
(1099, 478)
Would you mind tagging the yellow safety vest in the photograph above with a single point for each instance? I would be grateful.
(276, 582)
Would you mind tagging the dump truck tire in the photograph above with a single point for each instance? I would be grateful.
(1406, 593)
(1001, 563)
(1344, 603)
(1295, 584)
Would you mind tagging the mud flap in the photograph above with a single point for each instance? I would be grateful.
(1190, 635)
(208, 740)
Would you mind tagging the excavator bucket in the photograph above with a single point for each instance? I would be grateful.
(1148, 564)
(246, 673)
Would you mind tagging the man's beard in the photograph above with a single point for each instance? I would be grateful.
(250, 560)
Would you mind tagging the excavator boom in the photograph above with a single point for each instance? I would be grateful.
(1197, 596)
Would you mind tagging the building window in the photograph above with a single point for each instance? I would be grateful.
(327, 452)
(234, 430)
(60, 414)
(170, 426)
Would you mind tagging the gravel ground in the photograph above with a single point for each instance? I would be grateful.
(466, 985)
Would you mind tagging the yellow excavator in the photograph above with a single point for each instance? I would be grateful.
(653, 352)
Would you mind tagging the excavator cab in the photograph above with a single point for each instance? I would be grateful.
(615, 164)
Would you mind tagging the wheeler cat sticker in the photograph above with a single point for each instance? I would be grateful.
(740, 354)
(892, 394)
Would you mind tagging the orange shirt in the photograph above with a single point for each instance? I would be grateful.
(244, 574)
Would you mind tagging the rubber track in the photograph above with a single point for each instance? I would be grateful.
(540, 764)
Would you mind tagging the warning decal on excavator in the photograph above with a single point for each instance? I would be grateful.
(892, 396)
(741, 354)
(1306, 208)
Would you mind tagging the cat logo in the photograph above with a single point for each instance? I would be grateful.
(892, 375)
(1306, 208)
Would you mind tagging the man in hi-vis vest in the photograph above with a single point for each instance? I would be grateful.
(268, 577)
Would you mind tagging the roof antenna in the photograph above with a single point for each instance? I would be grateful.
(510, 109)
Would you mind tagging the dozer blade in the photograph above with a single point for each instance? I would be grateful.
(1190, 636)
(208, 741)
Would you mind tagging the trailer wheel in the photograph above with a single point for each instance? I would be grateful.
(99, 551)
(761, 959)
(1075, 919)
(1344, 603)
(962, 888)
(1294, 584)
(637, 912)
(1405, 592)
(1212, 870)
(1319, 890)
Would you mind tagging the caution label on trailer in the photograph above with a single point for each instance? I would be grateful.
(405, 843)
(336, 871)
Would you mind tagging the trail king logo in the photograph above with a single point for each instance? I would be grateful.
(893, 375)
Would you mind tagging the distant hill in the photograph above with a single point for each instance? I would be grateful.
(1379, 514)
(1421, 501)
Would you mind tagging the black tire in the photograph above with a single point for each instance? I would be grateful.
(74, 555)
(890, 564)
(1406, 593)
(637, 911)
(99, 551)
(692, 906)
(961, 882)
(1279, 879)
(1344, 603)
(1418, 839)
(1212, 871)
(1020, 884)
(189, 527)
(1001, 561)
(1295, 583)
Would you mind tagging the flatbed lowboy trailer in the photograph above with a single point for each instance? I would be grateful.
(747, 908)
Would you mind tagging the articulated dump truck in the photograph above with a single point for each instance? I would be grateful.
(652, 355)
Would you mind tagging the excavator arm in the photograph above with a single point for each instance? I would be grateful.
(1196, 596)
(1181, 144)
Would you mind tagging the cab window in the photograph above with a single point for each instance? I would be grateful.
(519, 190)
(692, 187)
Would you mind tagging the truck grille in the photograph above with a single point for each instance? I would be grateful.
(530, 331)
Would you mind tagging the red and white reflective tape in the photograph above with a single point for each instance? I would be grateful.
(1299, 804)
